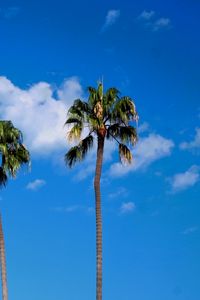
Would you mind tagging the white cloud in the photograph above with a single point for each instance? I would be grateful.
(182, 181)
(147, 15)
(127, 207)
(37, 113)
(36, 184)
(111, 18)
(148, 18)
(193, 144)
(190, 230)
(148, 150)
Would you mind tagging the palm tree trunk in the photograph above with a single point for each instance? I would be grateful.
(98, 217)
(3, 264)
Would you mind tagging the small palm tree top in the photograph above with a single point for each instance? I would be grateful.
(13, 152)
(106, 115)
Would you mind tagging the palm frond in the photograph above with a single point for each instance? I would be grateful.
(8, 133)
(110, 97)
(100, 91)
(124, 110)
(72, 156)
(86, 144)
(75, 132)
(126, 134)
(79, 108)
(13, 153)
(11, 165)
(22, 154)
(3, 177)
(3, 148)
(72, 119)
(125, 154)
(78, 153)
(92, 96)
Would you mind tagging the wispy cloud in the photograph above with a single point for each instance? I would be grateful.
(111, 18)
(194, 144)
(120, 192)
(190, 230)
(73, 209)
(185, 180)
(148, 150)
(144, 127)
(68, 209)
(86, 170)
(146, 15)
(149, 19)
(39, 109)
(162, 23)
(127, 207)
(9, 12)
(36, 184)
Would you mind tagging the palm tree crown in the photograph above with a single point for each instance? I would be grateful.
(13, 152)
(105, 115)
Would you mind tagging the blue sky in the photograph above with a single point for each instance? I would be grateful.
(50, 52)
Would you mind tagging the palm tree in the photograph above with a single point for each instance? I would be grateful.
(105, 116)
(13, 155)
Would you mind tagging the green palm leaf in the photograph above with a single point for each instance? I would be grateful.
(126, 134)
(79, 108)
(3, 177)
(124, 110)
(78, 153)
(13, 153)
(72, 119)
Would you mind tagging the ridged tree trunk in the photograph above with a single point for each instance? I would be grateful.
(3, 264)
(97, 179)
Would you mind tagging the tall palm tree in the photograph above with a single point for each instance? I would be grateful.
(13, 155)
(106, 116)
